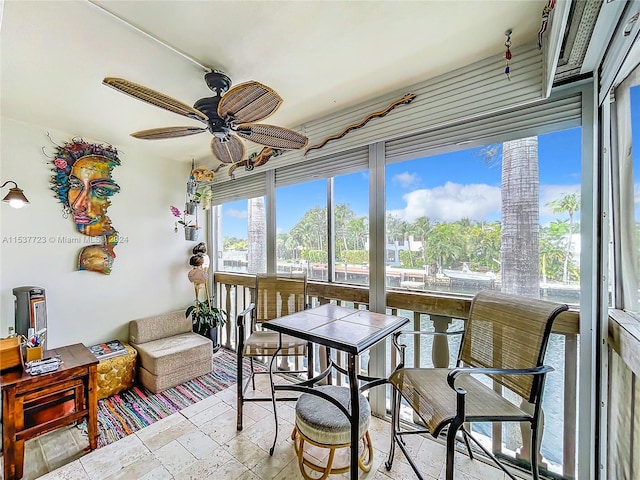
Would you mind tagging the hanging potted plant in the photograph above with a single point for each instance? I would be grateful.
(191, 230)
(191, 233)
(204, 197)
(191, 207)
(206, 318)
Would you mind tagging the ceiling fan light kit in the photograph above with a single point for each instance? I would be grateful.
(229, 114)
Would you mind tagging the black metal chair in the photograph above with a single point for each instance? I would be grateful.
(505, 339)
(275, 296)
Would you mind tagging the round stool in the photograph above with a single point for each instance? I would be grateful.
(322, 424)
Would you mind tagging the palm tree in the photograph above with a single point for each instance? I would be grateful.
(290, 244)
(257, 235)
(395, 231)
(520, 217)
(315, 221)
(552, 250)
(485, 244)
(358, 227)
(444, 245)
(421, 229)
(342, 215)
(569, 203)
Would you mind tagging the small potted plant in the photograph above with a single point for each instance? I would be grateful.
(191, 207)
(191, 231)
(206, 318)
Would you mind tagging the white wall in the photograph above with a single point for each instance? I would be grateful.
(149, 275)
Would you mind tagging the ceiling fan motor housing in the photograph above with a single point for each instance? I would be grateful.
(218, 82)
(209, 106)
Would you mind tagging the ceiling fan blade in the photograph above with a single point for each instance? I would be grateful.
(154, 98)
(230, 150)
(272, 136)
(249, 102)
(167, 132)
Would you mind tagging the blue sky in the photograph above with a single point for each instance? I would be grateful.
(444, 187)
(635, 139)
(462, 184)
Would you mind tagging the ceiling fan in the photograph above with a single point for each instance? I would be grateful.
(227, 116)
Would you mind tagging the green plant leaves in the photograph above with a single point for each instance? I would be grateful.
(204, 316)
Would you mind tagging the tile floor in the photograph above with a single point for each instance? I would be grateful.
(201, 442)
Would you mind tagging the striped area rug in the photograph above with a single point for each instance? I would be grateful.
(125, 413)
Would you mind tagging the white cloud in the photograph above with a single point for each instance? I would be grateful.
(236, 213)
(405, 179)
(452, 202)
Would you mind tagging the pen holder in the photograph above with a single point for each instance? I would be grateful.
(33, 353)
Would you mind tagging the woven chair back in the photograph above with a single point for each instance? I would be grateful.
(509, 331)
(280, 294)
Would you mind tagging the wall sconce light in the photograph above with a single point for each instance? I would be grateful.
(15, 197)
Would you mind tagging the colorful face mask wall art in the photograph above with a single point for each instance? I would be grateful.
(83, 184)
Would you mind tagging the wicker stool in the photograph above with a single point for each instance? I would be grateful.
(322, 424)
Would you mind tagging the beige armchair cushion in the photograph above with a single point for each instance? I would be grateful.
(166, 355)
(158, 326)
(169, 352)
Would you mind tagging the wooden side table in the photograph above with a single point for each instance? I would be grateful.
(33, 405)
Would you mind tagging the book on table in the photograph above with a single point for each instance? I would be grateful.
(113, 348)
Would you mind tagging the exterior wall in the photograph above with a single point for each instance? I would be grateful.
(149, 275)
(623, 392)
(623, 427)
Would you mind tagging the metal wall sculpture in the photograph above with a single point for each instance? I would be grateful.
(83, 184)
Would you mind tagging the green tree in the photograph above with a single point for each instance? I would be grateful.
(484, 245)
(421, 229)
(407, 259)
(234, 243)
(357, 257)
(311, 230)
(445, 246)
(570, 204)
(396, 231)
(358, 228)
(552, 250)
(342, 216)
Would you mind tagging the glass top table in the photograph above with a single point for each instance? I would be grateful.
(349, 330)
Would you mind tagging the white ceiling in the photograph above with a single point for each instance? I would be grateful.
(320, 56)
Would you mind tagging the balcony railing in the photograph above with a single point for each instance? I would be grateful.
(440, 311)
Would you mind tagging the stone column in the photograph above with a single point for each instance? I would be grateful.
(440, 349)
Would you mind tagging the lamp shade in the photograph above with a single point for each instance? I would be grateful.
(15, 198)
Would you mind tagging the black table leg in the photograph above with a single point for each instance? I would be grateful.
(273, 392)
(355, 414)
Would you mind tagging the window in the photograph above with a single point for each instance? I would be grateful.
(351, 228)
(301, 228)
(242, 226)
(502, 216)
(627, 116)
